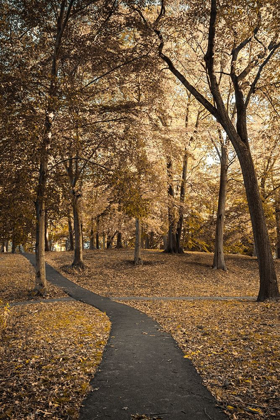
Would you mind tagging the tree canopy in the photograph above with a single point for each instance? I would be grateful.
(119, 110)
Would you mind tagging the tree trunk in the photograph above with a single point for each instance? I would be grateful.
(47, 248)
(13, 246)
(182, 201)
(147, 242)
(78, 251)
(91, 239)
(71, 236)
(109, 242)
(151, 240)
(268, 279)
(171, 245)
(97, 233)
(119, 240)
(219, 259)
(40, 278)
(137, 249)
(277, 217)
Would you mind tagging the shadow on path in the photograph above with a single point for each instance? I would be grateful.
(142, 371)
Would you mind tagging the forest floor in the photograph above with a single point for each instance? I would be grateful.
(50, 351)
(234, 344)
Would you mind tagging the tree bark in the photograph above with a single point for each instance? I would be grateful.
(219, 259)
(171, 245)
(71, 236)
(268, 279)
(97, 240)
(109, 242)
(182, 201)
(47, 248)
(91, 240)
(277, 217)
(97, 233)
(119, 240)
(137, 249)
(40, 278)
(92, 236)
(78, 251)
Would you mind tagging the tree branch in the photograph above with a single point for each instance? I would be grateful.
(253, 85)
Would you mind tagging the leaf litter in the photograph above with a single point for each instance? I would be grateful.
(49, 351)
(234, 345)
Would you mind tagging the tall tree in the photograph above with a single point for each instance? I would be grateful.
(226, 39)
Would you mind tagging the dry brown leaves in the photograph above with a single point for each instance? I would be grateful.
(234, 345)
(17, 280)
(112, 273)
(49, 352)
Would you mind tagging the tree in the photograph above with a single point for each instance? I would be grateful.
(244, 71)
(219, 259)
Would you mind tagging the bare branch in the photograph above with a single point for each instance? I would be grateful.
(253, 85)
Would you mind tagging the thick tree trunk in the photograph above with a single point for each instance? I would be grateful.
(137, 249)
(78, 251)
(219, 259)
(277, 217)
(171, 245)
(268, 280)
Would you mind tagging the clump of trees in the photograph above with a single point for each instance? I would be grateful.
(117, 126)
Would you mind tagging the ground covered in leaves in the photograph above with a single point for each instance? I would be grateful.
(233, 344)
(17, 280)
(112, 273)
(49, 351)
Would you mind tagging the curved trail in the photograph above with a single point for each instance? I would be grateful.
(142, 371)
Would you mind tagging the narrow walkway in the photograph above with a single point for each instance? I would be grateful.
(142, 371)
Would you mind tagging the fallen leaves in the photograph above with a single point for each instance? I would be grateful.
(112, 273)
(49, 354)
(17, 280)
(234, 346)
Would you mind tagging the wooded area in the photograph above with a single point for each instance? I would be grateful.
(141, 123)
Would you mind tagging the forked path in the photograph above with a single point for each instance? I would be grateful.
(143, 371)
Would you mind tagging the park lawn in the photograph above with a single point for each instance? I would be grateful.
(234, 345)
(49, 351)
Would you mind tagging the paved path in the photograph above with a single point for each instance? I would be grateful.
(142, 371)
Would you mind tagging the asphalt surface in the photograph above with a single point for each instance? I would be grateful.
(143, 371)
